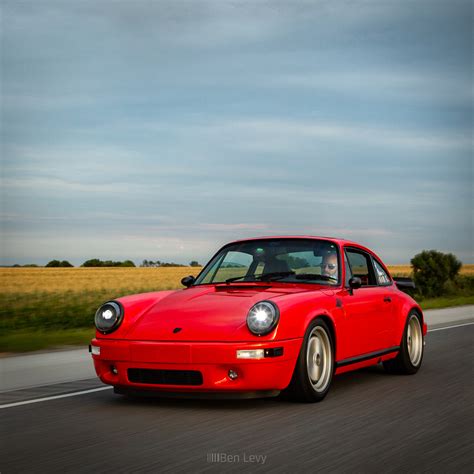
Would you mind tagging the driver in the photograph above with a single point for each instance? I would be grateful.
(329, 266)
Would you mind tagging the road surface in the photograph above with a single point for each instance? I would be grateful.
(369, 422)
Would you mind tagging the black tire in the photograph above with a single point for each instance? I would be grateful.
(302, 388)
(403, 363)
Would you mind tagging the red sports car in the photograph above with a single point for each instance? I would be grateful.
(264, 316)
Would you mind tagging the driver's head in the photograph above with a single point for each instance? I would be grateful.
(329, 266)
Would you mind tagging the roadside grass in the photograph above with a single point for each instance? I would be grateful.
(25, 341)
(446, 302)
(62, 310)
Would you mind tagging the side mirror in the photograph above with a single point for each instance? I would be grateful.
(188, 281)
(354, 283)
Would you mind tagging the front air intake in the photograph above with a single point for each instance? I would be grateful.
(165, 377)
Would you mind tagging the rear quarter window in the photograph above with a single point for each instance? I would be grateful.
(381, 274)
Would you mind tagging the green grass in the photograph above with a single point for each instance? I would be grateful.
(446, 302)
(24, 340)
(42, 310)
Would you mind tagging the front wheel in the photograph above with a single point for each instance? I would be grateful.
(315, 365)
(408, 360)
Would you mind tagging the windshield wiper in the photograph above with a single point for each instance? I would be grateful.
(230, 280)
(314, 276)
(274, 275)
(263, 277)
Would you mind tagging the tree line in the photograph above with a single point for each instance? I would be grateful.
(96, 262)
(158, 263)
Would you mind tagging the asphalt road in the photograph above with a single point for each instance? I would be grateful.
(370, 422)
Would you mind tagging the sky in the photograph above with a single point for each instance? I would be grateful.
(163, 129)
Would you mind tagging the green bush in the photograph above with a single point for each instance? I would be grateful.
(95, 262)
(435, 273)
(57, 263)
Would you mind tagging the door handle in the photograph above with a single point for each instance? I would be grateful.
(387, 299)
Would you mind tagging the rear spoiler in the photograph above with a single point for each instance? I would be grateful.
(404, 283)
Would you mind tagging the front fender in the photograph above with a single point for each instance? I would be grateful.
(408, 304)
(135, 306)
(296, 316)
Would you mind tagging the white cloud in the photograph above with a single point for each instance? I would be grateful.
(409, 85)
(282, 134)
(33, 185)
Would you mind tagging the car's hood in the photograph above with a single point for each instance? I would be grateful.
(204, 313)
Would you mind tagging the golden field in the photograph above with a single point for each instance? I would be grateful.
(78, 280)
(405, 270)
(59, 280)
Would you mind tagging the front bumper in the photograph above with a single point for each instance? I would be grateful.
(213, 360)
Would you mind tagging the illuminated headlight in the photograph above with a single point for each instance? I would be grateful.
(262, 318)
(250, 354)
(108, 317)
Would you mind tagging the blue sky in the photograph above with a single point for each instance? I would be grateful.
(163, 129)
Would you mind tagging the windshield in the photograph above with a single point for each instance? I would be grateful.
(285, 260)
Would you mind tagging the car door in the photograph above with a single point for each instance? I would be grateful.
(367, 312)
(390, 296)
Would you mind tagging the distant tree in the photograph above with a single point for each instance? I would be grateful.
(295, 262)
(30, 265)
(232, 265)
(194, 263)
(54, 263)
(433, 271)
(94, 262)
(65, 263)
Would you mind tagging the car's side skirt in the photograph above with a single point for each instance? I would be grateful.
(364, 357)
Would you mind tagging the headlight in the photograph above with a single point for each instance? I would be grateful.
(108, 317)
(263, 317)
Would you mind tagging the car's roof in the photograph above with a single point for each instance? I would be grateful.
(333, 239)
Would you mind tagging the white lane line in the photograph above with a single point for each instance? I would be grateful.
(450, 327)
(55, 397)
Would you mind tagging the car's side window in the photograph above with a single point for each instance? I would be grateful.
(382, 277)
(361, 266)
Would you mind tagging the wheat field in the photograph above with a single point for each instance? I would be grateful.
(405, 270)
(78, 280)
(58, 280)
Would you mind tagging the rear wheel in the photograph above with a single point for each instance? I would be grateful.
(315, 365)
(409, 359)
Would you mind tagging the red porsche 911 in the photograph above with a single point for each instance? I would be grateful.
(264, 316)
